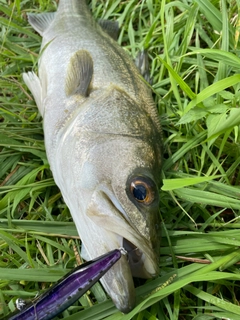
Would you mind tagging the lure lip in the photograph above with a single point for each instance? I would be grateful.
(69, 288)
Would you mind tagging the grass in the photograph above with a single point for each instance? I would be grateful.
(195, 67)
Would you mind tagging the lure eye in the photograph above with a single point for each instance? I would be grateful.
(143, 190)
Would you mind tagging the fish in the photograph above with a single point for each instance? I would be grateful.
(67, 290)
(103, 141)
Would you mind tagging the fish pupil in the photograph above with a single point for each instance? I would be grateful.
(140, 192)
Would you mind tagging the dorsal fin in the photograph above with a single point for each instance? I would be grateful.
(41, 21)
(110, 27)
(79, 73)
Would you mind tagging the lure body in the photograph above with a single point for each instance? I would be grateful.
(69, 289)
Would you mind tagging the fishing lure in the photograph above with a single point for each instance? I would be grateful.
(69, 289)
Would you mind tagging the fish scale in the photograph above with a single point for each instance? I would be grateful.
(102, 133)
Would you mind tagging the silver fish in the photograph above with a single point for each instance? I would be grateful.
(102, 138)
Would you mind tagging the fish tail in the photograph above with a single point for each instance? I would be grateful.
(73, 6)
(66, 8)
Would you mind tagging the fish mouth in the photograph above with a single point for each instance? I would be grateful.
(137, 260)
(140, 255)
(118, 281)
(119, 233)
(111, 229)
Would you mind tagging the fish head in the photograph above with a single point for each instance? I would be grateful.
(126, 208)
(111, 161)
(125, 203)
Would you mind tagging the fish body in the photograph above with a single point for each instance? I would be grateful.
(102, 138)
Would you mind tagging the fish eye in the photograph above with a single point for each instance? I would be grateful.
(143, 190)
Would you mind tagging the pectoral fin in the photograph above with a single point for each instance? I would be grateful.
(40, 22)
(79, 74)
(110, 27)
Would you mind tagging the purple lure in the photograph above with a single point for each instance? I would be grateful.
(69, 289)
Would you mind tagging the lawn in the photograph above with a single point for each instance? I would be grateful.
(193, 48)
